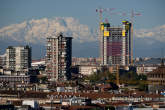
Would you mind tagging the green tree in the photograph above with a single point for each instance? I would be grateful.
(102, 77)
(143, 87)
(142, 77)
(44, 79)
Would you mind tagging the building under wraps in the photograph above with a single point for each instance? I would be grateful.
(115, 44)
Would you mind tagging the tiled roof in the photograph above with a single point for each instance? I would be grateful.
(159, 70)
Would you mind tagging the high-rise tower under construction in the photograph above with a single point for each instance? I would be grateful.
(116, 44)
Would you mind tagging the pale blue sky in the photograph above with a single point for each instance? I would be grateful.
(16, 11)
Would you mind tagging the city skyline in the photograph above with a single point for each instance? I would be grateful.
(22, 22)
(82, 54)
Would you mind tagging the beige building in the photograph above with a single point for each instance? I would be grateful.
(144, 69)
(156, 79)
(89, 69)
(18, 58)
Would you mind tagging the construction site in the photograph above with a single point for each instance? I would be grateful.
(116, 42)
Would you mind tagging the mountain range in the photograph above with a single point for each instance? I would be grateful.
(147, 42)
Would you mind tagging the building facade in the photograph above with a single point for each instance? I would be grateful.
(87, 70)
(156, 79)
(18, 58)
(115, 44)
(13, 79)
(58, 58)
(144, 69)
(2, 60)
(85, 61)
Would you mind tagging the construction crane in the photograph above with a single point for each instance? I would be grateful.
(133, 14)
(100, 11)
(109, 10)
(117, 75)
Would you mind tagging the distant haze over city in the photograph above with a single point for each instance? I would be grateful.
(27, 22)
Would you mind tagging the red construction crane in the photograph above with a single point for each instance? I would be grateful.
(101, 10)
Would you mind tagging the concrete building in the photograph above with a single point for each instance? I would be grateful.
(85, 61)
(58, 58)
(18, 58)
(3, 60)
(89, 69)
(115, 44)
(144, 69)
(38, 63)
(13, 79)
(156, 79)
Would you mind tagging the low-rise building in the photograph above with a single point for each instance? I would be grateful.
(144, 69)
(32, 103)
(85, 61)
(66, 89)
(17, 79)
(36, 63)
(76, 101)
(89, 69)
(156, 79)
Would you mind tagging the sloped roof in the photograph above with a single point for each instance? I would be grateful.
(159, 70)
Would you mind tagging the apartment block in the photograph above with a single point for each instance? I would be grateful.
(2, 60)
(18, 58)
(58, 57)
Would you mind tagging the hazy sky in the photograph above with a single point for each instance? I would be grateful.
(147, 25)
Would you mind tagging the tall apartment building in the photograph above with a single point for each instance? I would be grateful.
(18, 58)
(58, 58)
(115, 44)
